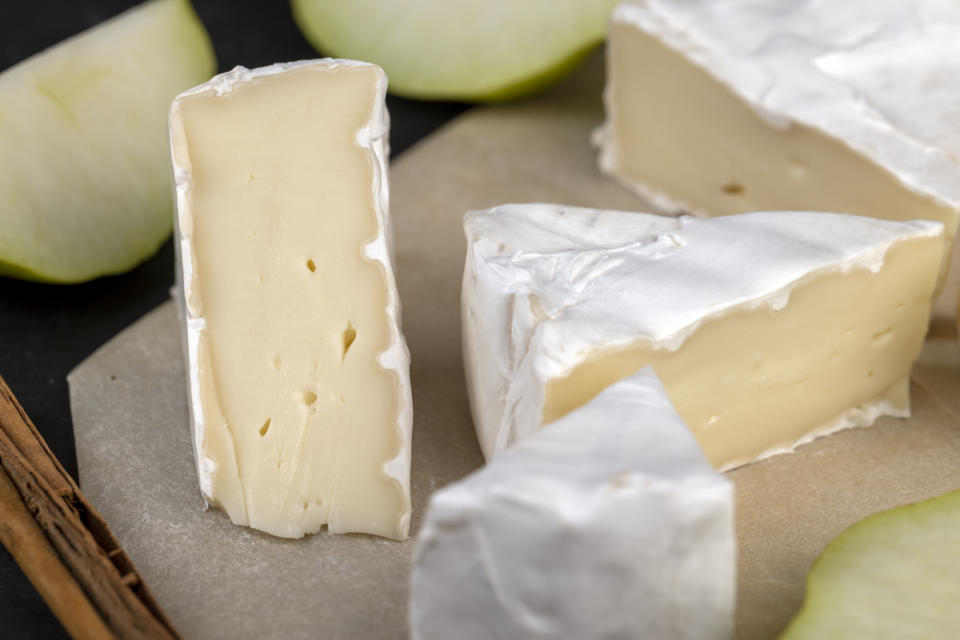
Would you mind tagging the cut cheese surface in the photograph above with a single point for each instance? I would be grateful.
(298, 374)
(608, 523)
(767, 329)
(721, 109)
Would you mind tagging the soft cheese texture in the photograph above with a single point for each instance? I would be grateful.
(299, 376)
(767, 328)
(729, 107)
(608, 523)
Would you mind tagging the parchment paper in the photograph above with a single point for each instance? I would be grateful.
(220, 581)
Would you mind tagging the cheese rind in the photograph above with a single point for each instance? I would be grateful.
(737, 314)
(298, 374)
(743, 106)
(574, 533)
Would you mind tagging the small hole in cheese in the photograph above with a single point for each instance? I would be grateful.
(733, 188)
(311, 265)
(265, 428)
(309, 397)
(881, 338)
(349, 335)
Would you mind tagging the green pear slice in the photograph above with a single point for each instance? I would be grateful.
(895, 575)
(474, 50)
(84, 171)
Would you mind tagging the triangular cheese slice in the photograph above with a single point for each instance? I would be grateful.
(607, 523)
(767, 329)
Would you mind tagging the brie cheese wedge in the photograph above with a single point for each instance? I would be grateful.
(767, 329)
(608, 523)
(298, 374)
(737, 106)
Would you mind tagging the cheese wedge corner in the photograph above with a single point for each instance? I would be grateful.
(576, 530)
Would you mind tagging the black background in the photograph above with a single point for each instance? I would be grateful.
(46, 330)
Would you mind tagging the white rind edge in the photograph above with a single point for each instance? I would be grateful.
(373, 136)
(855, 130)
(861, 416)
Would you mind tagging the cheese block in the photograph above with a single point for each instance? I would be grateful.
(298, 373)
(608, 523)
(737, 106)
(767, 329)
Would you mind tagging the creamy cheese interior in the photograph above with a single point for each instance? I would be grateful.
(682, 133)
(761, 379)
(299, 415)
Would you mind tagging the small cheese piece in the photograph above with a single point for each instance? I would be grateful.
(608, 523)
(298, 374)
(736, 106)
(767, 329)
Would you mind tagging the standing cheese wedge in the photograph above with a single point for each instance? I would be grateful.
(608, 523)
(767, 329)
(736, 106)
(298, 374)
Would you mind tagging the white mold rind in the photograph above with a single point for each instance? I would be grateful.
(544, 285)
(881, 76)
(573, 532)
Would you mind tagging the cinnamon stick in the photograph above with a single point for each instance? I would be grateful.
(20, 533)
(70, 554)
